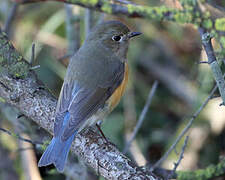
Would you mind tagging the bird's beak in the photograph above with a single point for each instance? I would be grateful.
(132, 34)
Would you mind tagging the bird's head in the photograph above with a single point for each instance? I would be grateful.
(113, 35)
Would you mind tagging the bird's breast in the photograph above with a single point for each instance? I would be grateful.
(118, 93)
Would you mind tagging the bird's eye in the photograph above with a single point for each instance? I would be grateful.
(116, 38)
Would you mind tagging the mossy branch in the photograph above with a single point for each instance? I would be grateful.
(210, 172)
(10, 60)
(217, 73)
(160, 13)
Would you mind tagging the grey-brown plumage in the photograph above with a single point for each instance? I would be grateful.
(93, 75)
(98, 70)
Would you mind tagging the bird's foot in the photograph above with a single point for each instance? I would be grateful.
(98, 125)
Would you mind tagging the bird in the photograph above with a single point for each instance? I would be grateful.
(94, 83)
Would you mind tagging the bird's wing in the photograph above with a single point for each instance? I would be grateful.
(81, 101)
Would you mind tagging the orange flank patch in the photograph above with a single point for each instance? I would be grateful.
(116, 96)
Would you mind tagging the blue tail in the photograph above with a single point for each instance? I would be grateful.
(57, 151)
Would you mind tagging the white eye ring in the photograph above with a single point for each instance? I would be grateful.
(117, 38)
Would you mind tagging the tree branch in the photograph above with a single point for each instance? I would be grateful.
(186, 128)
(11, 17)
(142, 116)
(217, 73)
(153, 13)
(176, 164)
(20, 87)
(19, 137)
(210, 172)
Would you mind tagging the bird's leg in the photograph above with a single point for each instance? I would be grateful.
(98, 125)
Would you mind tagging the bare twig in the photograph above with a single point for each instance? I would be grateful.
(181, 155)
(32, 54)
(203, 62)
(124, 1)
(165, 173)
(72, 29)
(35, 67)
(132, 10)
(33, 58)
(10, 18)
(7, 164)
(187, 127)
(29, 161)
(130, 120)
(175, 81)
(20, 116)
(88, 21)
(19, 137)
(142, 116)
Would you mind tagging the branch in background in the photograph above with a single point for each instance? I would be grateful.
(130, 120)
(32, 54)
(33, 58)
(29, 161)
(217, 73)
(154, 13)
(124, 2)
(20, 137)
(142, 116)
(7, 165)
(10, 18)
(208, 173)
(181, 156)
(176, 82)
(24, 146)
(184, 131)
(88, 21)
(72, 29)
(20, 87)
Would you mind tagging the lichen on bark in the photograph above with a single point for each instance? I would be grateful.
(10, 60)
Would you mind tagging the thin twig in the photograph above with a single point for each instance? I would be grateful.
(88, 21)
(124, 2)
(35, 67)
(24, 149)
(187, 127)
(20, 116)
(19, 137)
(72, 29)
(181, 155)
(10, 18)
(142, 116)
(33, 58)
(203, 62)
(171, 174)
(32, 54)
(215, 96)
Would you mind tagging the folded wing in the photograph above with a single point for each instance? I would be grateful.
(82, 101)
